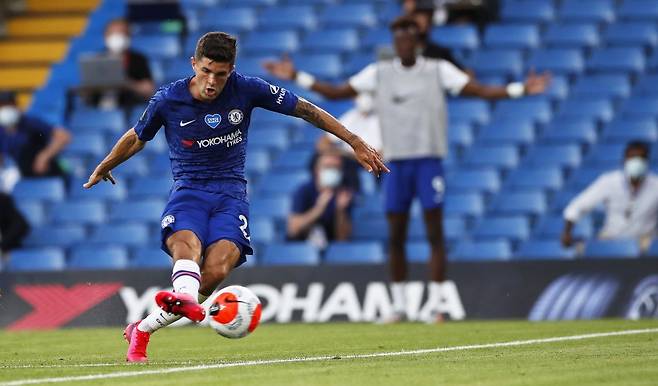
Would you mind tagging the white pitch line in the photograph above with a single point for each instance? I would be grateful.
(124, 374)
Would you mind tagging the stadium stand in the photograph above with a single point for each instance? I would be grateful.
(513, 164)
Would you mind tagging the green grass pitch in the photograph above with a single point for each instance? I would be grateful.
(605, 360)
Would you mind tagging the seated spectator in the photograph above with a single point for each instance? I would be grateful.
(630, 197)
(321, 207)
(13, 227)
(140, 86)
(32, 143)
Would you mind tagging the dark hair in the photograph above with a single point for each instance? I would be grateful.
(403, 22)
(117, 21)
(640, 145)
(7, 98)
(216, 46)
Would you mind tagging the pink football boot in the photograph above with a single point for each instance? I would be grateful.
(180, 304)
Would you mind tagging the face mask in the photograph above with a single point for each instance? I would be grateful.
(635, 167)
(117, 43)
(330, 177)
(9, 116)
(363, 103)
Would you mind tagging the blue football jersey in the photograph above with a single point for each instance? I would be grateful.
(208, 140)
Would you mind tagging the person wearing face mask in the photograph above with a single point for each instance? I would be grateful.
(630, 198)
(321, 207)
(140, 85)
(32, 143)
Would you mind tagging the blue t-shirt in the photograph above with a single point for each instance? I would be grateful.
(304, 199)
(29, 131)
(208, 141)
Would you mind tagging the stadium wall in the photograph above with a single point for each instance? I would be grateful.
(536, 290)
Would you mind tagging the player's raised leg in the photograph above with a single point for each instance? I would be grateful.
(185, 248)
(221, 257)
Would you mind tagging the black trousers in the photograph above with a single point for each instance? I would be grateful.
(13, 226)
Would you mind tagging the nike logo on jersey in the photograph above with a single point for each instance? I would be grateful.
(183, 124)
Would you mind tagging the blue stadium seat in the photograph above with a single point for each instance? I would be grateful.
(497, 62)
(645, 85)
(282, 182)
(625, 131)
(290, 254)
(632, 34)
(559, 61)
(148, 210)
(157, 46)
(49, 189)
(270, 138)
(527, 11)
(599, 11)
(375, 228)
(497, 227)
(296, 159)
(499, 156)
(652, 251)
(78, 212)
(84, 120)
(558, 89)
(470, 110)
(285, 17)
(544, 249)
(258, 161)
(562, 198)
(131, 235)
(454, 228)
(486, 180)
(62, 236)
(102, 191)
(645, 107)
(582, 177)
(136, 166)
(554, 155)
(602, 85)
(252, 66)
(261, 229)
(86, 145)
(606, 154)
(354, 253)
(599, 109)
(551, 226)
(241, 19)
(611, 249)
(546, 178)
(273, 207)
(638, 10)
(617, 60)
(460, 134)
(523, 203)
(36, 259)
(482, 250)
(463, 204)
(357, 61)
(652, 63)
(333, 41)
(511, 36)
(571, 35)
(325, 66)
(417, 251)
(456, 37)
(32, 210)
(348, 15)
(150, 258)
(506, 132)
(150, 187)
(579, 131)
(97, 257)
(536, 109)
(177, 69)
(271, 42)
(376, 37)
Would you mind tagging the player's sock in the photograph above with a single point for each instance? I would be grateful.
(434, 295)
(158, 319)
(186, 277)
(399, 297)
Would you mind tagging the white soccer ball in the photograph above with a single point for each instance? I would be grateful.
(234, 312)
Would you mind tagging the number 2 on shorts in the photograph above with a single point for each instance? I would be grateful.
(243, 227)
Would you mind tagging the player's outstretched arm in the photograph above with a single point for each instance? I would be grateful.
(284, 69)
(126, 147)
(368, 157)
(534, 84)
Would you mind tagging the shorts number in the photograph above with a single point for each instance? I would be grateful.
(243, 227)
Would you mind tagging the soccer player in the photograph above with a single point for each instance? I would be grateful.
(410, 103)
(205, 225)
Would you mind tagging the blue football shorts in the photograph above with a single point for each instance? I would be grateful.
(211, 216)
(417, 177)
